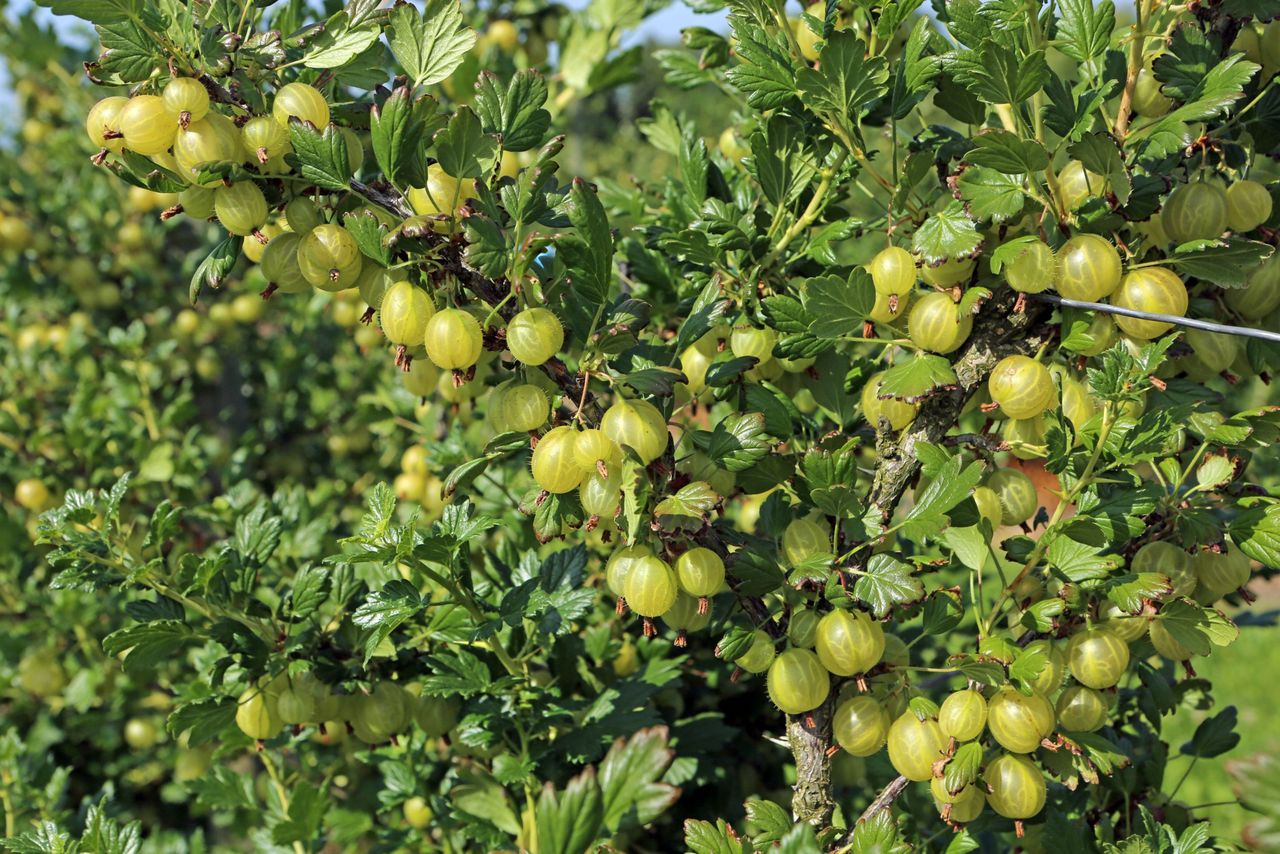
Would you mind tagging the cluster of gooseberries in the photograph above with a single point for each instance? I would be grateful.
(877, 708)
(375, 716)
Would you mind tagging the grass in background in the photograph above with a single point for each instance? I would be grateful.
(1244, 675)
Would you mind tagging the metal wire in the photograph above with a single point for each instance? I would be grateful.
(1207, 325)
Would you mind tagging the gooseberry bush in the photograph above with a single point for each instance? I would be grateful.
(873, 432)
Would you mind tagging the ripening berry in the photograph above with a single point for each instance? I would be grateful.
(936, 324)
(893, 271)
(650, 588)
(601, 496)
(686, 615)
(241, 208)
(534, 336)
(417, 812)
(897, 412)
(963, 806)
(849, 642)
(197, 202)
(636, 424)
(264, 138)
(759, 655)
(1022, 387)
(1097, 657)
(141, 733)
(1195, 211)
(802, 628)
(1220, 574)
(592, 447)
(256, 714)
(186, 98)
(963, 715)
(915, 745)
(303, 215)
(1049, 679)
(443, 195)
(31, 494)
(1165, 558)
(1017, 788)
(1248, 205)
(881, 312)
(797, 682)
(802, 539)
(988, 504)
(700, 572)
(619, 566)
(104, 118)
(1033, 269)
(280, 264)
(1077, 185)
(213, 139)
(525, 408)
(254, 248)
(1081, 709)
(747, 340)
(454, 341)
(1157, 290)
(1017, 721)
(950, 272)
(329, 257)
(1261, 294)
(1088, 268)
(1165, 643)
(554, 467)
(435, 716)
(404, 312)
(1017, 494)
(860, 725)
(147, 124)
(301, 101)
(1148, 99)
(1127, 626)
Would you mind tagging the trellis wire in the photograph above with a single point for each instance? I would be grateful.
(1207, 325)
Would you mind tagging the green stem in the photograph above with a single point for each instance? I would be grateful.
(811, 211)
(280, 792)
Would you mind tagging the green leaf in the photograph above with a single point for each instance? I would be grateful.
(992, 194)
(95, 11)
(953, 484)
(887, 582)
(310, 589)
(1214, 736)
(368, 232)
(570, 821)
(996, 74)
(688, 508)
(319, 155)
(846, 82)
(738, 441)
(786, 314)
(1226, 261)
(128, 51)
(1080, 561)
(763, 72)
(1008, 153)
(915, 379)
(1257, 532)
(307, 808)
(1100, 153)
(516, 114)
(963, 768)
(215, 267)
(463, 148)
(202, 720)
(838, 306)
(340, 42)
(457, 672)
(430, 45)
(703, 837)
(948, 233)
(1084, 29)
(631, 793)
(724, 372)
(1197, 629)
(588, 253)
(398, 128)
(148, 644)
(385, 610)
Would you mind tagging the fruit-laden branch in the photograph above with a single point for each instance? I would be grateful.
(998, 331)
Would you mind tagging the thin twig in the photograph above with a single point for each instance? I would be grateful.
(886, 797)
